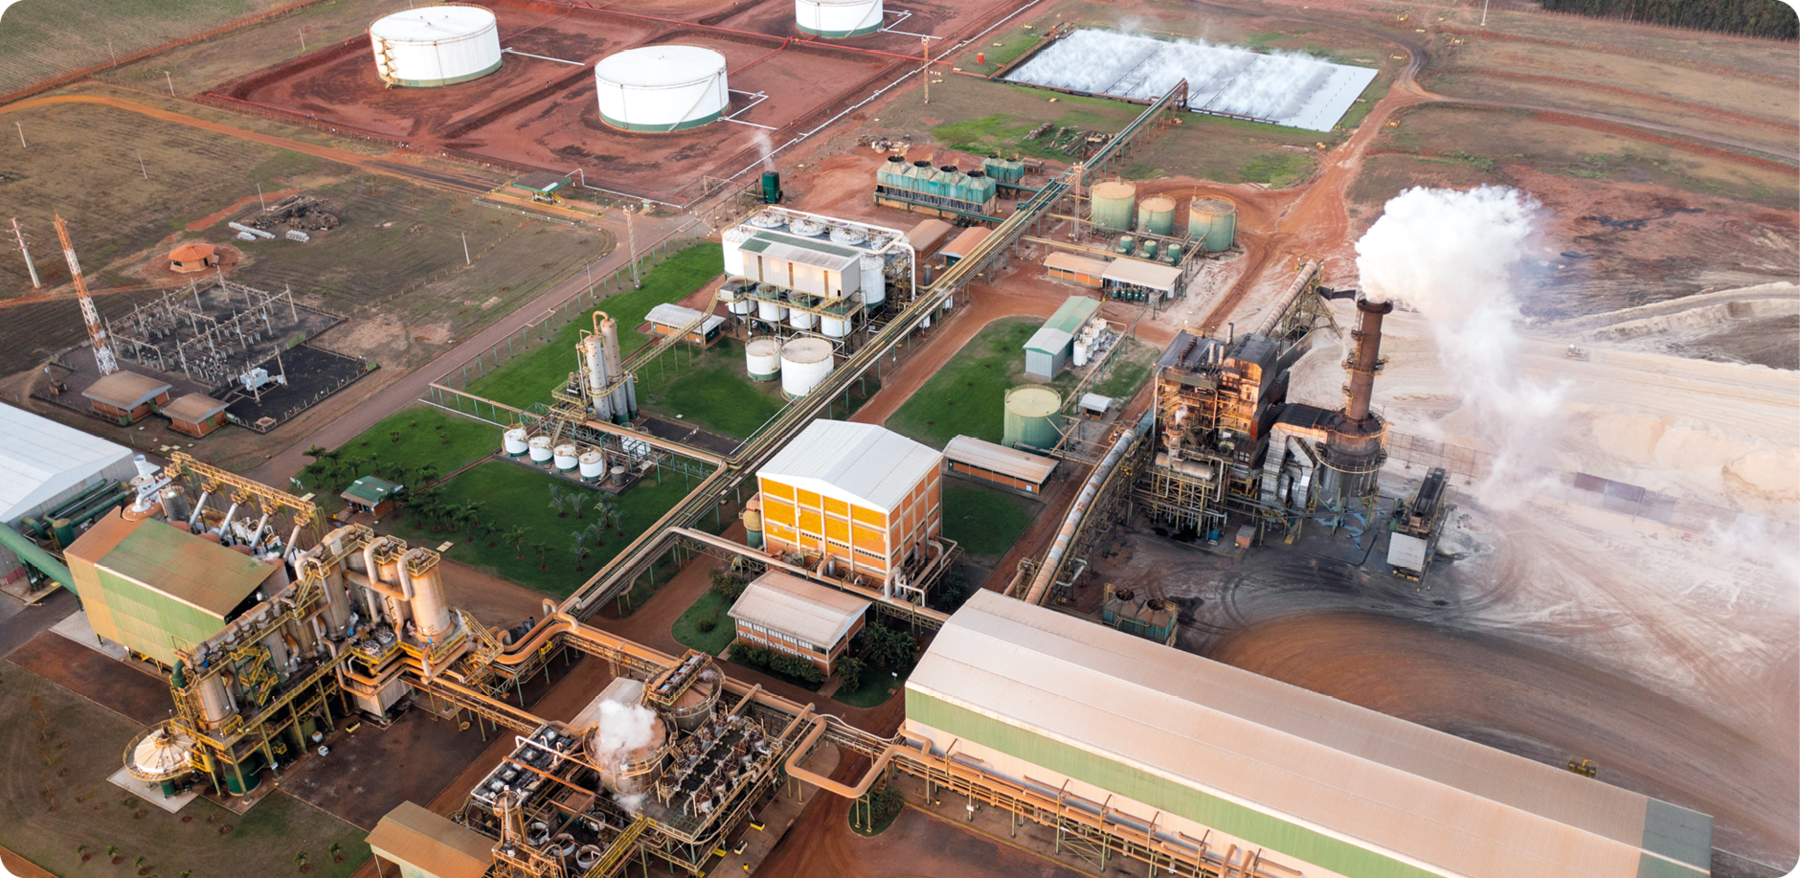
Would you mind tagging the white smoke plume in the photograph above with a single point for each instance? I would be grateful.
(1455, 256)
(632, 804)
(623, 728)
(764, 147)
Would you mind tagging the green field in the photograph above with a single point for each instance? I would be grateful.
(55, 798)
(710, 388)
(428, 437)
(986, 521)
(710, 606)
(514, 496)
(530, 377)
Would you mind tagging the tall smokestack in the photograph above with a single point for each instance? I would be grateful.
(1365, 361)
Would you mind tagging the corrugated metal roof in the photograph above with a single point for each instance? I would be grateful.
(192, 252)
(811, 612)
(192, 408)
(125, 390)
(1078, 264)
(40, 459)
(927, 234)
(966, 242)
(415, 837)
(1406, 552)
(1402, 790)
(1033, 468)
(805, 251)
(1048, 340)
(1143, 274)
(858, 463)
(370, 490)
(1074, 311)
(681, 317)
(197, 572)
(1094, 402)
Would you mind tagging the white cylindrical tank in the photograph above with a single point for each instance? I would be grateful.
(804, 363)
(849, 236)
(513, 441)
(624, 400)
(540, 449)
(435, 45)
(762, 359)
(1081, 353)
(661, 88)
(837, 19)
(733, 238)
(834, 327)
(874, 283)
(770, 311)
(565, 457)
(593, 465)
(801, 319)
(740, 306)
(806, 227)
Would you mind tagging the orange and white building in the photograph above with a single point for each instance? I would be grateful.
(869, 498)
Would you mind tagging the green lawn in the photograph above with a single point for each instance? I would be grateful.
(427, 436)
(877, 687)
(710, 388)
(967, 395)
(983, 520)
(530, 377)
(519, 497)
(710, 605)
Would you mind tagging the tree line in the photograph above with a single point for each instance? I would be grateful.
(1757, 18)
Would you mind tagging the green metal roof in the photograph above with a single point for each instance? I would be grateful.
(1073, 313)
(762, 241)
(370, 490)
(202, 574)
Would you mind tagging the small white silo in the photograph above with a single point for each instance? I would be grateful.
(733, 238)
(565, 457)
(874, 283)
(514, 442)
(805, 362)
(661, 88)
(593, 465)
(836, 19)
(435, 45)
(540, 449)
(762, 359)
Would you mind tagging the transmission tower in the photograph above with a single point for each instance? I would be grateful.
(103, 352)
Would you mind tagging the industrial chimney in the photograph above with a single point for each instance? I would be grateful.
(1356, 448)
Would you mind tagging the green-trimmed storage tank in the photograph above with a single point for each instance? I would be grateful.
(1156, 215)
(1212, 222)
(1112, 204)
(1123, 247)
(1032, 417)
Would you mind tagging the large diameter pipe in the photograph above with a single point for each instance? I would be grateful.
(1046, 574)
(32, 554)
(1363, 362)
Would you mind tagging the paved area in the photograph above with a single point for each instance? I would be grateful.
(20, 622)
(117, 686)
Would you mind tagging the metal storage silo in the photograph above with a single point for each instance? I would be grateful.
(1112, 204)
(836, 19)
(1156, 215)
(566, 457)
(593, 465)
(762, 359)
(804, 364)
(540, 449)
(1032, 417)
(732, 239)
(1212, 222)
(874, 282)
(799, 319)
(514, 442)
(435, 45)
(661, 88)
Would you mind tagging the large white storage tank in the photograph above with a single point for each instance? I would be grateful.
(435, 45)
(762, 359)
(837, 18)
(734, 238)
(804, 363)
(661, 88)
(874, 283)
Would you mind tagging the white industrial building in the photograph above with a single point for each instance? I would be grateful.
(44, 464)
(1224, 762)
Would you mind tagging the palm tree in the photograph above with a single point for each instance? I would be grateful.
(459, 516)
(596, 532)
(517, 536)
(426, 473)
(476, 509)
(556, 502)
(575, 499)
(315, 452)
(617, 516)
(543, 553)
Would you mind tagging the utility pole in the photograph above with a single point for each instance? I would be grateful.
(466, 259)
(303, 41)
(109, 51)
(637, 283)
(141, 169)
(21, 127)
(259, 196)
(1484, 6)
(925, 50)
(171, 81)
(103, 352)
(29, 265)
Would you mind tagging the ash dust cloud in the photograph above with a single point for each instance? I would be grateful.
(1456, 257)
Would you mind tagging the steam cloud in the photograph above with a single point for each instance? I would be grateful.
(623, 728)
(1454, 256)
(1275, 86)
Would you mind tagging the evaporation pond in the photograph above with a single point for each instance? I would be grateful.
(1285, 88)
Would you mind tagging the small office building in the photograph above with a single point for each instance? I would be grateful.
(785, 613)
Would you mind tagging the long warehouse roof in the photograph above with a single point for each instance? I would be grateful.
(1402, 790)
(40, 459)
(863, 464)
(812, 612)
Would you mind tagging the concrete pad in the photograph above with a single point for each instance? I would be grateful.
(75, 627)
(150, 792)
